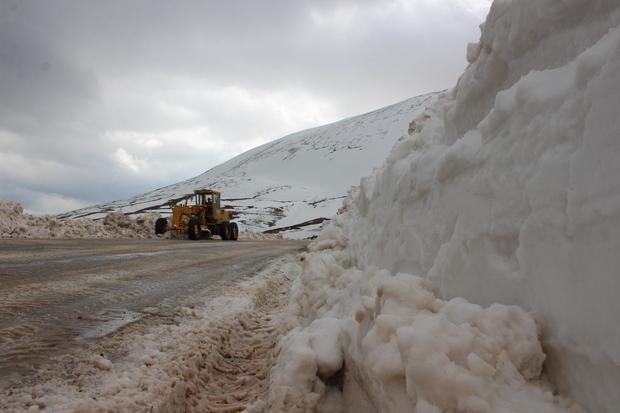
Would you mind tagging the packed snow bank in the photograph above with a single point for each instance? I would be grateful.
(507, 191)
(510, 192)
(14, 223)
(381, 342)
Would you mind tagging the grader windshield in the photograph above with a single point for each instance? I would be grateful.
(203, 199)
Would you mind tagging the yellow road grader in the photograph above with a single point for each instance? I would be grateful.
(200, 215)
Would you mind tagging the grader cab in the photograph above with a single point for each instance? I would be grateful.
(200, 215)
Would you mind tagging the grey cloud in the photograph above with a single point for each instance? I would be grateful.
(80, 81)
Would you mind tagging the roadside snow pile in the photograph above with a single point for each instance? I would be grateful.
(15, 224)
(507, 191)
(381, 342)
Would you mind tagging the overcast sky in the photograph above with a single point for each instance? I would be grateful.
(104, 100)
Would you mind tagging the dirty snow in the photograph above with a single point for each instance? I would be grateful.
(506, 191)
(14, 223)
(374, 341)
(215, 357)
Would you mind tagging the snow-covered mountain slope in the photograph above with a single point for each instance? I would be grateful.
(509, 192)
(294, 179)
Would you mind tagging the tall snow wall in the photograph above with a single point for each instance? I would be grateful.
(510, 191)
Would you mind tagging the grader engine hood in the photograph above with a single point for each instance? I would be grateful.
(181, 215)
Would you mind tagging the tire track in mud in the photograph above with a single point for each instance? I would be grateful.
(235, 365)
(232, 377)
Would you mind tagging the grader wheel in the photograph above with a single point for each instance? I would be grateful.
(225, 231)
(234, 231)
(161, 226)
(193, 229)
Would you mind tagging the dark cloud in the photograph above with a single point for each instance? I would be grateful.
(101, 100)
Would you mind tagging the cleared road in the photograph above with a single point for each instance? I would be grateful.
(56, 293)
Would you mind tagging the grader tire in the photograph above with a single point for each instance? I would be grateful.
(225, 231)
(234, 231)
(161, 225)
(193, 229)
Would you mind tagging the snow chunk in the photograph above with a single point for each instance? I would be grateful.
(324, 341)
(15, 224)
(102, 363)
(403, 346)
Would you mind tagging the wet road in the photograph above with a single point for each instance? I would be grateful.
(56, 293)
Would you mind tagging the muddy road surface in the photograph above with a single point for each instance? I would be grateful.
(56, 295)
